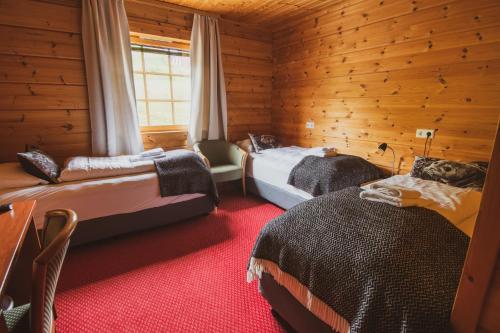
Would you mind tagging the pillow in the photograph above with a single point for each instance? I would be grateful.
(81, 167)
(12, 175)
(450, 172)
(246, 145)
(263, 142)
(39, 164)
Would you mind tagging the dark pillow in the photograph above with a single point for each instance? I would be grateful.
(263, 142)
(39, 164)
(451, 173)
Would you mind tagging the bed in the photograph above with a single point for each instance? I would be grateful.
(119, 196)
(111, 206)
(323, 265)
(268, 174)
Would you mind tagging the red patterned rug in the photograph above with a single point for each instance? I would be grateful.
(188, 277)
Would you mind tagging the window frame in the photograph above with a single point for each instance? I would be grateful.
(135, 45)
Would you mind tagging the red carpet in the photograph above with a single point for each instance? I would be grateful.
(188, 277)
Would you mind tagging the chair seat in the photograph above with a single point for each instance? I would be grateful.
(18, 319)
(225, 173)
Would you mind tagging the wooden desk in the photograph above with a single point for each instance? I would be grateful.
(19, 245)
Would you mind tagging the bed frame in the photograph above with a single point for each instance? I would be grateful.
(292, 315)
(274, 194)
(114, 225)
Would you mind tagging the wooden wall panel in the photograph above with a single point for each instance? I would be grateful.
(374, 71)
(489, 321)
(43, 92)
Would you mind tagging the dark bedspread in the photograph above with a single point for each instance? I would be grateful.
(181, 172)
(382, 268)
(320, 175)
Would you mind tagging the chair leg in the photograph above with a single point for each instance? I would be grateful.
(244, 186)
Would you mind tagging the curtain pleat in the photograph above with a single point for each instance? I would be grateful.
(108, 64)
(208, 91)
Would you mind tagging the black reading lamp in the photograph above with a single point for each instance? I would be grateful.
(382, 148)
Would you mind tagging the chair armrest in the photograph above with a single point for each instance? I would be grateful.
(237, 156)
(196, 148)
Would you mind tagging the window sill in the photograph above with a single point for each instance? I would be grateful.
(163, 129)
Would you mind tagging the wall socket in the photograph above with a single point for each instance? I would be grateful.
(310, 124)
(422, 133)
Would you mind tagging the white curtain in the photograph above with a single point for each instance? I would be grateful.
(208, 91)
(108, 63)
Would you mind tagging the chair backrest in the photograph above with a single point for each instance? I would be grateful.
(58, 227)
(217, 151)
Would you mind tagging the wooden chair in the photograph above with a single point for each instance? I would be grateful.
(39, 315)
(226, 160)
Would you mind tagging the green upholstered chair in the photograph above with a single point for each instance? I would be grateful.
(226, 160)
(38, 315)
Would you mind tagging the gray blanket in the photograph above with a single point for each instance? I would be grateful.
(320, 175)
(382, 268)
(181, 172)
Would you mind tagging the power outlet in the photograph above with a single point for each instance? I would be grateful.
(310, 124)
(423, 132)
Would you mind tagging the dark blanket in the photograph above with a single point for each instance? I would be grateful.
(382, 268)
(181, 172)
(320, 175)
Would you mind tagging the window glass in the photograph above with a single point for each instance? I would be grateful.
(181, 64)
(162, 86)
(181, 87)
(142, 112)
(160, 113)
(156, 63)
(181, 112)
(158, 87)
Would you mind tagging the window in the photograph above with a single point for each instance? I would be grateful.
(162, 79)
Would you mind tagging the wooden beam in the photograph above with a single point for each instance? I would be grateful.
(482, 254)
(177, 8)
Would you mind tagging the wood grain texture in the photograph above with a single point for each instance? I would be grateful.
(43, 88)
(490, 314)
(268, 13)
(477, 304)
(374, 71)
(13, 228)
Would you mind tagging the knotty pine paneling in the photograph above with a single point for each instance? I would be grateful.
(489, 321)
(374, 71)
(43, 92)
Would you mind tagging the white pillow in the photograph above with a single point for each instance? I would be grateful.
(12, 175)
(81, 167)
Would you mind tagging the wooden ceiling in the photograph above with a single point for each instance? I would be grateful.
(269, 13)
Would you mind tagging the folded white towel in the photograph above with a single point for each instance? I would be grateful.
(396, 191)
(139, 158)
(378, 196)
(152, 152)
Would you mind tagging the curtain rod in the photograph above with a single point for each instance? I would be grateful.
(179, 8)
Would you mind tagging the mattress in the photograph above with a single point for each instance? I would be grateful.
(96, 198)
(273, 166)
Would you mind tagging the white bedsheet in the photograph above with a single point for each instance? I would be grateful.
(458, 205)
(273, 166)
(97, 197)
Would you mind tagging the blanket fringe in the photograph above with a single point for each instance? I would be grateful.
(300, 292)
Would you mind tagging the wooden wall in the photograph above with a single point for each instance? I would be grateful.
(489, 321)
(374, 71)
(43, 93)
